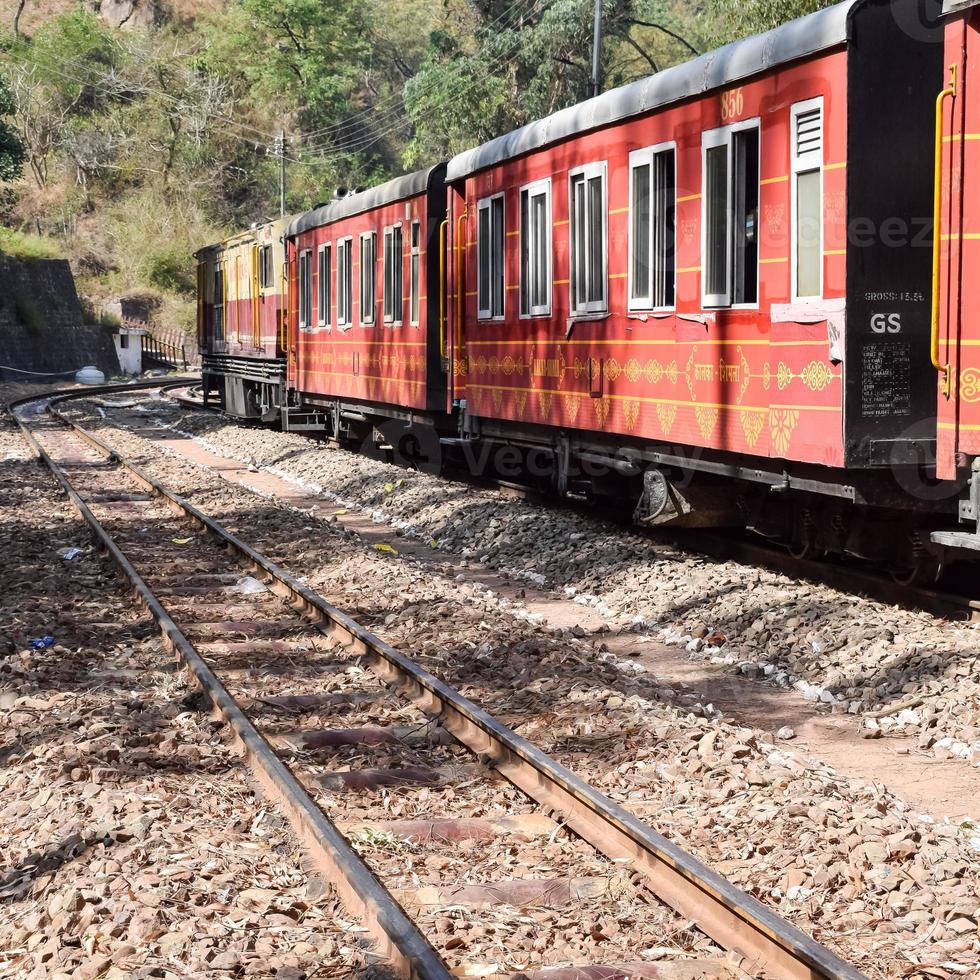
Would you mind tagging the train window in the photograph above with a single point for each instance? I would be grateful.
(345, 279)
(535, 235)
(731, 216)
(807, 135)
(587, 210)
(653, 204)
(416, 271)
(490, 258)
(266, 271)
(393, 296)
(305, 288)
(219, 302)
(324, 279)
(369, 262)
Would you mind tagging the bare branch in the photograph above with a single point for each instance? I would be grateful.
(666, 30)
(649, 60)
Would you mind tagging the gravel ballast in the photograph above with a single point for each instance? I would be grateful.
(904, 673)
(891, 891)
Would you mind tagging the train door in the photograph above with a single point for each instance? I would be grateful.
(218, 305)
(956, 295)
(268, 308)
(457, 243)
(256, 299)
(290, 332)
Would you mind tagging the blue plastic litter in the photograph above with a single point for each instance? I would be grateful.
(43, 643)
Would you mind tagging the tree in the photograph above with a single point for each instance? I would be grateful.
(12, 152)
(527, 59)
(730, 20)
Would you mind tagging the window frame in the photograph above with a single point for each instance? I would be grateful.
(415, 273)
(645, 155)
(305, 295)
(711, 139)
(345, 245)
(397, 316)
(266, 265)
(486, 313)
(799, 167)
(535, 189)
(324, 291)
(372, 237)
(587, 172)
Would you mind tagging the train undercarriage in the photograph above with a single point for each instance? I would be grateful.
(897, 518)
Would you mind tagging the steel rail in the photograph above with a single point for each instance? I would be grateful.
(400, 940)
(737, 921)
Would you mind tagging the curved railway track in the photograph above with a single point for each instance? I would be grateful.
(285, 670)
(860, 579)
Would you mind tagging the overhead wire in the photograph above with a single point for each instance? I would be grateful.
(390, 104)
(333, 147)
(57, 67)
(367, 140)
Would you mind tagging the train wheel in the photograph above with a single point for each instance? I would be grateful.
(925, 570)
(801, 545)
(801, 550)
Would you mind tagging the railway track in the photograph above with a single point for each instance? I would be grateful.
(859, 579)
(331, 720)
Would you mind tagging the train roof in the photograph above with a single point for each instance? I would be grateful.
(409, 185)
(242, 236)
(798, 39)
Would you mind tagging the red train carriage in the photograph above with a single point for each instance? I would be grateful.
(364, 315)
(240, 320)
(956, 351)
(719, 273)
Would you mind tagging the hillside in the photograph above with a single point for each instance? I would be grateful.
(148, 125)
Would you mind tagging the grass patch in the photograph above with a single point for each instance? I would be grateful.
(20, 245)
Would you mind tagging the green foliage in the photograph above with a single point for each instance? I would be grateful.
(98, 318)
(168, 268)
(528, 59)
(142, 146)
(733, 19)
(12, 150)
(19, 245)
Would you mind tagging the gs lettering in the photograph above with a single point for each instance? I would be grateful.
(886, 323)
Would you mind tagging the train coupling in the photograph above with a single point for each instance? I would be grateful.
(965, 541)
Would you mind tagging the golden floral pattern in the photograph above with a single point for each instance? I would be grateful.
(497, 397)
(601, 407)
(572, 403)
(767, 376)
(613, 369)
(782, 425)
(520, 402)
(970, 385)
(817, 375)
(752, 423)
(544, 403)
(784, 376)
(707, 420)
(746, 374)
(631, 412)
(667, 414)
(633, 370)
(689, 372)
